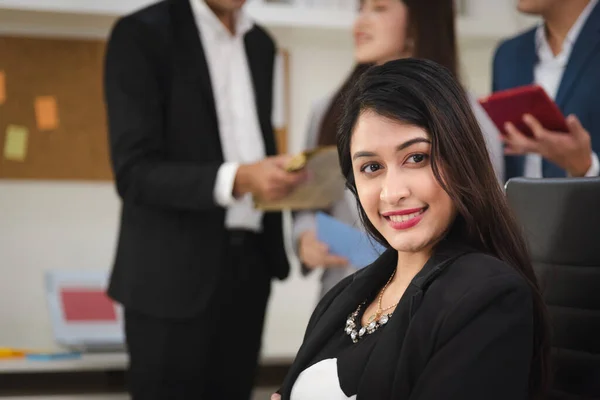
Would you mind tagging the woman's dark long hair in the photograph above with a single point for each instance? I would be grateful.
(425, 94)
(432, 33)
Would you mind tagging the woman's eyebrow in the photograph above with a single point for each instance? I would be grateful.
(400, 147)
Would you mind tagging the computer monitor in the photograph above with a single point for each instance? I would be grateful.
(83, 317)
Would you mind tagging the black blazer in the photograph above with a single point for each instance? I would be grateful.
(463, 330)
(166, 152)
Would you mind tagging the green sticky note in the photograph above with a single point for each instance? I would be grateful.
(15, 143)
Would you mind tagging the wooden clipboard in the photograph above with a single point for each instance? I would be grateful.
(324, 187)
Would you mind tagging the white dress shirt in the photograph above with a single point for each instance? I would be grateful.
(548, 74)
(239, 127)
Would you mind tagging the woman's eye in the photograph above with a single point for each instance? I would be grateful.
(370, 168)
(417, 158)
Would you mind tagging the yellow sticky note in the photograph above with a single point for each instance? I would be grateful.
(2, 87)
(15, 143)
(46, 113)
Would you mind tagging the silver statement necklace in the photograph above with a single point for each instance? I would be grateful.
(379, 318)
(352, 325)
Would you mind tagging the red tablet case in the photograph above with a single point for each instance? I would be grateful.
(510, 105)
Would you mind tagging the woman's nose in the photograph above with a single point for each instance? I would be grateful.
(394, 189)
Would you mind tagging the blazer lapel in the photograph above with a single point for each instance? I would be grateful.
(587, 44)
(388, 350)
(365, 282)
(256, 55)
(190, 54)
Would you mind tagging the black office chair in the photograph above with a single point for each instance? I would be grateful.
(561, 221)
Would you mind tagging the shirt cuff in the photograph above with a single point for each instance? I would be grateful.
(223, 191)
(595, 167)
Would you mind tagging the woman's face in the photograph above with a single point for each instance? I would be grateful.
(395, 183)
(380, 31)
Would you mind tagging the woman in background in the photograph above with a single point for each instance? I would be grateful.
(384, 30)
(452, 309)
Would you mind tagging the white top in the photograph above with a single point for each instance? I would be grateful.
(239, 127)
(548, 74)
(319, 382)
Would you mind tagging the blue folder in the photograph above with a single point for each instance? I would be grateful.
(53, 356)
(347, 241)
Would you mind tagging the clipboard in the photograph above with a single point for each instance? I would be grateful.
(324, 187)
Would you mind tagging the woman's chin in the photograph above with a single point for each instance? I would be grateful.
(406, 242)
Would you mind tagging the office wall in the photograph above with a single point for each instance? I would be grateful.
(49, 225)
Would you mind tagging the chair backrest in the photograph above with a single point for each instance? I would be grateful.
(561, 222)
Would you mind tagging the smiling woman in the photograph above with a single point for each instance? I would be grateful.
(392, 170)
(452, 309)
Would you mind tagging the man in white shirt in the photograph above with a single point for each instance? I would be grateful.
(562, 55)
(188, 86)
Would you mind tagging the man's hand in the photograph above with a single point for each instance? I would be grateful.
(275, 396)
(571, 151)
(314, 253)
(267, 179)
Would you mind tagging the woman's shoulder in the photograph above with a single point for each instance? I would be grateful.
(318, 109)
(317, 112)
(491, 135)
(479, 268)
(481, 115)
(480, 276)
(322, 103)
(476, 289)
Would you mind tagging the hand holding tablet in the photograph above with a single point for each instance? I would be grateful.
(509, 106)
(531, 123)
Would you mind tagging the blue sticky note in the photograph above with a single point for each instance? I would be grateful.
(346, 241)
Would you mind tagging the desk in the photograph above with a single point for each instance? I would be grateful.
(101, 375)
(87, 362)
(118, 396)
(96, 377)
(259, 394)
(93, 362)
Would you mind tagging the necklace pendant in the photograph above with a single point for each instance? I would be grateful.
(374, 317)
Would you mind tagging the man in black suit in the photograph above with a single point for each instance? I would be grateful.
(188, 86)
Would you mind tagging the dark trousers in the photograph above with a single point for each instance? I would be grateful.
(212, 356)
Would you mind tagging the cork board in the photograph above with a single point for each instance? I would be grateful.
(52, 116)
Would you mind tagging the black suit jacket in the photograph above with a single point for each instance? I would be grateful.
(166, 152)
(462, 331)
